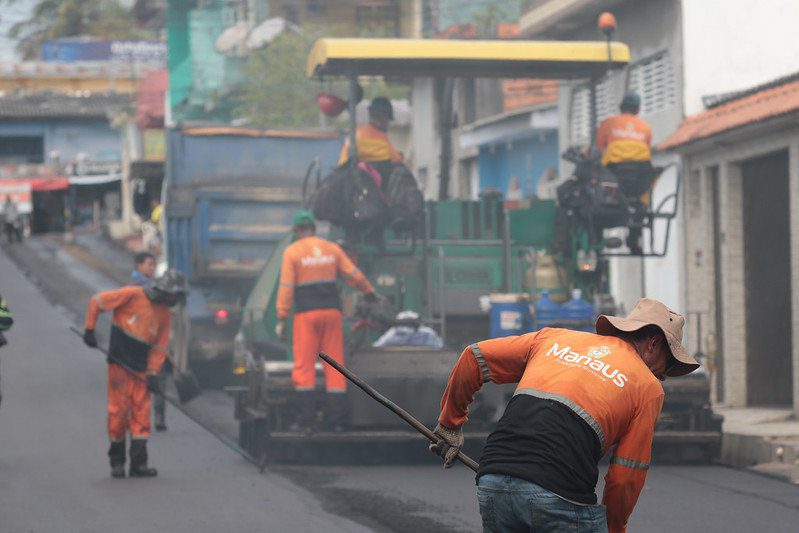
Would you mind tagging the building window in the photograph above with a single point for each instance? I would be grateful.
(653, 79)
(607, 104)
(377, 18)
(291, 13)
(18, 150)
(316, 7)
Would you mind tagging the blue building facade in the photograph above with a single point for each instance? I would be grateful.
(515, 150)
(515, 166)
(65, 139)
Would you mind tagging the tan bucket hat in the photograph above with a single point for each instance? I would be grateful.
(649, 312)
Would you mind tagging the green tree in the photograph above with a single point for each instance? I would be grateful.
(277, 93)
(54, 19)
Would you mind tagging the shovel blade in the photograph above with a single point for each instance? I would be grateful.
(187, 386)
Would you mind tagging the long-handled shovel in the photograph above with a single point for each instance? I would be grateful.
(185, 381)
(185, 396)
(399, 411)
(179, 406)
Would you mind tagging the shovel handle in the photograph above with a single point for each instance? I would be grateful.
(399, 411)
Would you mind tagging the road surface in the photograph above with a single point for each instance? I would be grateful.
(54, 474)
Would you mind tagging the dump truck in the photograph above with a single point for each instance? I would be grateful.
(460, 251)
(229, 196)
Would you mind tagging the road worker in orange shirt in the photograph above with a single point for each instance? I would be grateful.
(139, 341)
(625, 141)
(579, 395)
(371, 139)
(310, 268)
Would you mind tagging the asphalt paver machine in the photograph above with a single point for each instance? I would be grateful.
(459, 251)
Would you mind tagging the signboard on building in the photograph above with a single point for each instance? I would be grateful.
(93, 167)
(71, 50)
(154, 145)
(20, 193)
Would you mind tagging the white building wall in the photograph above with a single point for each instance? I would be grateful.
(736, 44)
(424, 157)
(728, 156)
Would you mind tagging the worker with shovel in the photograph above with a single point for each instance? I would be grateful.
(137, 350)
(578, 395)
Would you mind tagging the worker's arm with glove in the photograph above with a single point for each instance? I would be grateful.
(351, 273)
(285, 292)
(499, 360)
(100, 303)
(629, 465)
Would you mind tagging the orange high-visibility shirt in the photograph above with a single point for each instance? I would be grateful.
(140, 328)
(308, 276)
(624, 137)
(373, 145)
(599, 378)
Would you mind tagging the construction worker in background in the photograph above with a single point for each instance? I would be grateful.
(371, 139)
(625, 141)
(6, 321)
(12, 221)
(139, 341)
(142, 276)
(578, 395)
(143, 269)
(308, 275)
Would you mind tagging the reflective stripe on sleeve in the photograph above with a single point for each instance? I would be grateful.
(568, 402)
(481, 362)
(99, 302)
(629, 463)
(283, 284)
(352, 274)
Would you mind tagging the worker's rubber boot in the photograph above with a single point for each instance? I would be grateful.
(306, 413)
(160, 420)
(337, 411)
(116, 456)
(138, 460)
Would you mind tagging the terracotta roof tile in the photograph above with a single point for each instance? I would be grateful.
(527, 92)
(56, 105)
(755, 107)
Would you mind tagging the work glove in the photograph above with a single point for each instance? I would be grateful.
(89, 339)
(152, 384)
(450, 442)
(371, 298)
(280, 329)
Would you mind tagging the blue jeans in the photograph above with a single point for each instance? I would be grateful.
(508, 503)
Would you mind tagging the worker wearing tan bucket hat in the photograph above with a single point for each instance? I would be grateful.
(648, 312)
(579, 396)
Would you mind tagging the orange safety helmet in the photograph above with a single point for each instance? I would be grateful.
(606, 22)
(330, 104)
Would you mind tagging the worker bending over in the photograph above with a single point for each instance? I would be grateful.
(579, 395)
(625, 141)
(139, 341)
(308, 276)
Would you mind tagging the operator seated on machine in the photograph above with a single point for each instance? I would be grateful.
(371, 139)
(625, 141)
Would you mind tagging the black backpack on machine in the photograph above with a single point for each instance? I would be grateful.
(349, 197)
(405, 200)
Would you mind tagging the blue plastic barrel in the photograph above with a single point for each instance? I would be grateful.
(510, 315)
(578, 314)
(547, 312)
